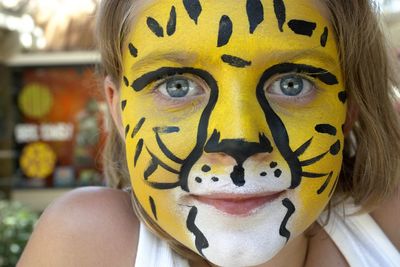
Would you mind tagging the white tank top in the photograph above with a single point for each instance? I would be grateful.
(358, 237)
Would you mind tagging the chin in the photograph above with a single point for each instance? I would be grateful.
(242, 240)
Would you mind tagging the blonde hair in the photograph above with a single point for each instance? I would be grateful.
(371, 158)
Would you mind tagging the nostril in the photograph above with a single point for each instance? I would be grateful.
(237, 175)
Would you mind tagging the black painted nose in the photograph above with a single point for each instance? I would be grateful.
(238, 149)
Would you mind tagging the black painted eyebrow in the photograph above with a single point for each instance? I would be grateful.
(141, 82)
(318, 73)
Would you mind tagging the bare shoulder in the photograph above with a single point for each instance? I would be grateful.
(387, 217)
(86, 227)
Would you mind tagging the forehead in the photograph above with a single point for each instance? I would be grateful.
(248, 29)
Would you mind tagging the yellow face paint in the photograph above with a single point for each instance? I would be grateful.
(233, 117)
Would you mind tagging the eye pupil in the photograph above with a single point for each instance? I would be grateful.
(177, 87)
(291, 85)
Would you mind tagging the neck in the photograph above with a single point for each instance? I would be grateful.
(293, 254)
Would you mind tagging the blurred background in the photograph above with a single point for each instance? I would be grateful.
(52, 114)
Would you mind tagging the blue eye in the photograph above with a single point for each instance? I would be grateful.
(179, 87)
(291, 85)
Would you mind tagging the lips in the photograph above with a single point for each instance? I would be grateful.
(238, 204)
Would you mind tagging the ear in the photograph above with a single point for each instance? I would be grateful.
(351, 117)
(113, 100)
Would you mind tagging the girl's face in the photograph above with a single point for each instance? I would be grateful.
(233, 114)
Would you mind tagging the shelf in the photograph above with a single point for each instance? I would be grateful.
(37, 199)
(53, 59)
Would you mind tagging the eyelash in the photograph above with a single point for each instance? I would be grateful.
(313, 90)
(200, 85)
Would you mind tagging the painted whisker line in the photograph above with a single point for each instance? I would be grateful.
(163, 186)
(166, 151)
(150, 169)
(326, 183)
(313, 175)
(308, 162)
(153, 165)
(303, 148)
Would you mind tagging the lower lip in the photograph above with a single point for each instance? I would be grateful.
(238, 206)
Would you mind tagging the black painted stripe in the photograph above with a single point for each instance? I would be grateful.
(127, 129)
(138, 127)
(326, 129)
(151, 168)
(335, 148)
(283, 231)
(166, 151)
(313, 160)
(162, 164)
(166, 130)
(303, 147)
(163, 186)
(342, 96)
(324, 37)
(193, 8)
(126, 81)
(140, 83)
(313, 175)
(318, 73)
(225, 30)
(139, 148)
(255, 13)
(133, 50)
(326, 183)
(200, 240)
(235, 61)
(123, 104)
(153, 207)
(155, 27)
(171, 26)
(280, 13)
(302, 27)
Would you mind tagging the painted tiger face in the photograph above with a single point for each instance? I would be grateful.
(233, 114)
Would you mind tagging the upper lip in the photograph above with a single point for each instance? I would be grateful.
(237, 196)
(237, 204)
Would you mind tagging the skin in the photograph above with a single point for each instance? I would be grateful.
(69, 242)
(61, 240)
(185, 176)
